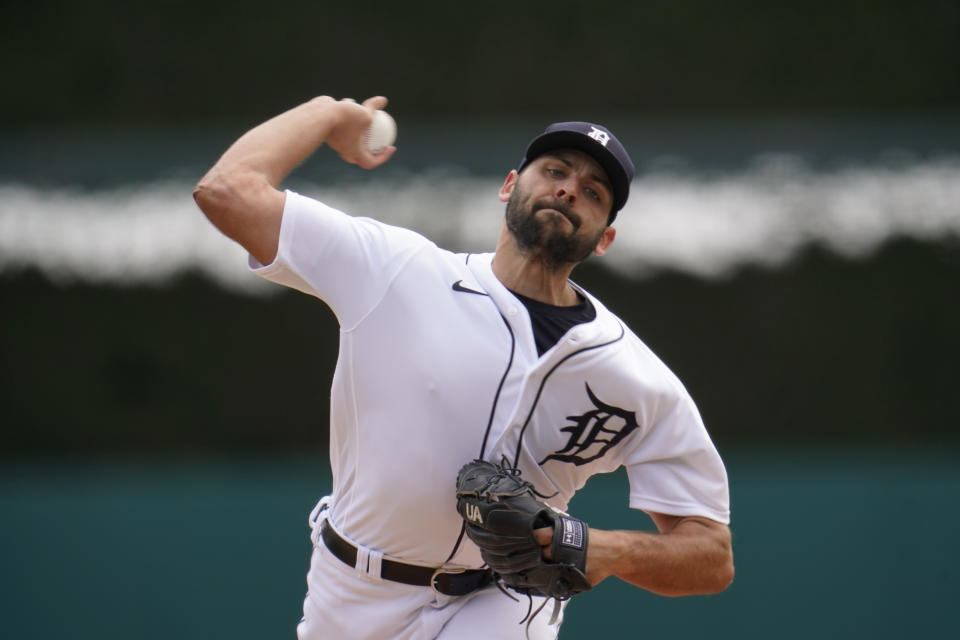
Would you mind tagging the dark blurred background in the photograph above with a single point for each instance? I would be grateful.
(163, 429)
(108, 62)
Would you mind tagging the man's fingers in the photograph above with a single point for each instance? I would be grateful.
(544, 538)
(376, 102)
(371, 161)
(347, 138)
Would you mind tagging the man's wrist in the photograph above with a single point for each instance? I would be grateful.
(325, 109)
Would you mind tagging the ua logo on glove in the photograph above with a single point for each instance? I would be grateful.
(472, 513)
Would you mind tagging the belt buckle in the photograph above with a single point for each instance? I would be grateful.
(441, 571)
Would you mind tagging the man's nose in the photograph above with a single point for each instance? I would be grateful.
(566, 193)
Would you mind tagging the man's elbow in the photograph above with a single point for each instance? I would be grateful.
(716, 563)
(710, 580)
(723, 570)
(201, 194)
(213, 194)
(723, 575)
(224, 195)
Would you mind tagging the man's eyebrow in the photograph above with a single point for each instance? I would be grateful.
(602, 179)
(593, 175)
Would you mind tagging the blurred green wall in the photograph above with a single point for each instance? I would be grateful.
(853, 542)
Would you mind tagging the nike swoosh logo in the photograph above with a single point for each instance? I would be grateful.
(459, 287)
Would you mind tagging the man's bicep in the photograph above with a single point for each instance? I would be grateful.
(255, 223)
(262, 236)
(245, 208)
(667, 523)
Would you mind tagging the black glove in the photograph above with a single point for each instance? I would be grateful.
(501, 512)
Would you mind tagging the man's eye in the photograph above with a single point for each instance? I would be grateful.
(556, 173)
(592, 193)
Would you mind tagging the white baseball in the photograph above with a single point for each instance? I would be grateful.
(382, 132)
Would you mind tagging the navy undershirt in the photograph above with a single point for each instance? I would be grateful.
(550, 322)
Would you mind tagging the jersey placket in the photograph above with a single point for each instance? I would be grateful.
(526, 379)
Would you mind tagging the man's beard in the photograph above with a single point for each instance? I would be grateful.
(544, 241)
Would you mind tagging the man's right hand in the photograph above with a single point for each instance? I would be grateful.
(350, 125)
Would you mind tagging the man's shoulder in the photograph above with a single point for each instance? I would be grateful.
(302, 205)
(636, 353)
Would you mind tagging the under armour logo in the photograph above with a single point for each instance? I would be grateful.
(599, 135)
(571, 533)
(472, 513)
(595, 432)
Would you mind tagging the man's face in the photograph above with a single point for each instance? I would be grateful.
(559, 207)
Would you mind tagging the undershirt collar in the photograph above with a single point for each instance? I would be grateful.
(550, 322)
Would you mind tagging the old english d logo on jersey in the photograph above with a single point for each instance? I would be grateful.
(595, 432)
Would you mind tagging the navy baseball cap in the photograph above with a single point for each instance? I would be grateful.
(597, 142)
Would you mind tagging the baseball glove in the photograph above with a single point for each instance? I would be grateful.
(501, 512)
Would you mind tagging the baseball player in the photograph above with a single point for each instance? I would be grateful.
(496, 361)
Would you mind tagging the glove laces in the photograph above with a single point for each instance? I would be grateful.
(511, 471)
(514, 471)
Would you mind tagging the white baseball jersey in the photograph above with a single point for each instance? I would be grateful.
(438, 361)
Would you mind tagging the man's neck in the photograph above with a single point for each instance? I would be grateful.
(530, 277)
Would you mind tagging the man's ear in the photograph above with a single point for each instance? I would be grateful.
(606, 239)
(508, 185)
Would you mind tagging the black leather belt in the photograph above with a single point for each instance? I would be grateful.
(445, 582)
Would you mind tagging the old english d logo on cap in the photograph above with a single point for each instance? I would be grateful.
(599, 135)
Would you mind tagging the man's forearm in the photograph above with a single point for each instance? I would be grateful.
(694, 557)
(276, 147)
(240, 194)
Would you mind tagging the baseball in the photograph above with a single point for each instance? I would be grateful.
(382, 132)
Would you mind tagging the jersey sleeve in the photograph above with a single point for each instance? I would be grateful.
(345, 261)
(676, 468)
